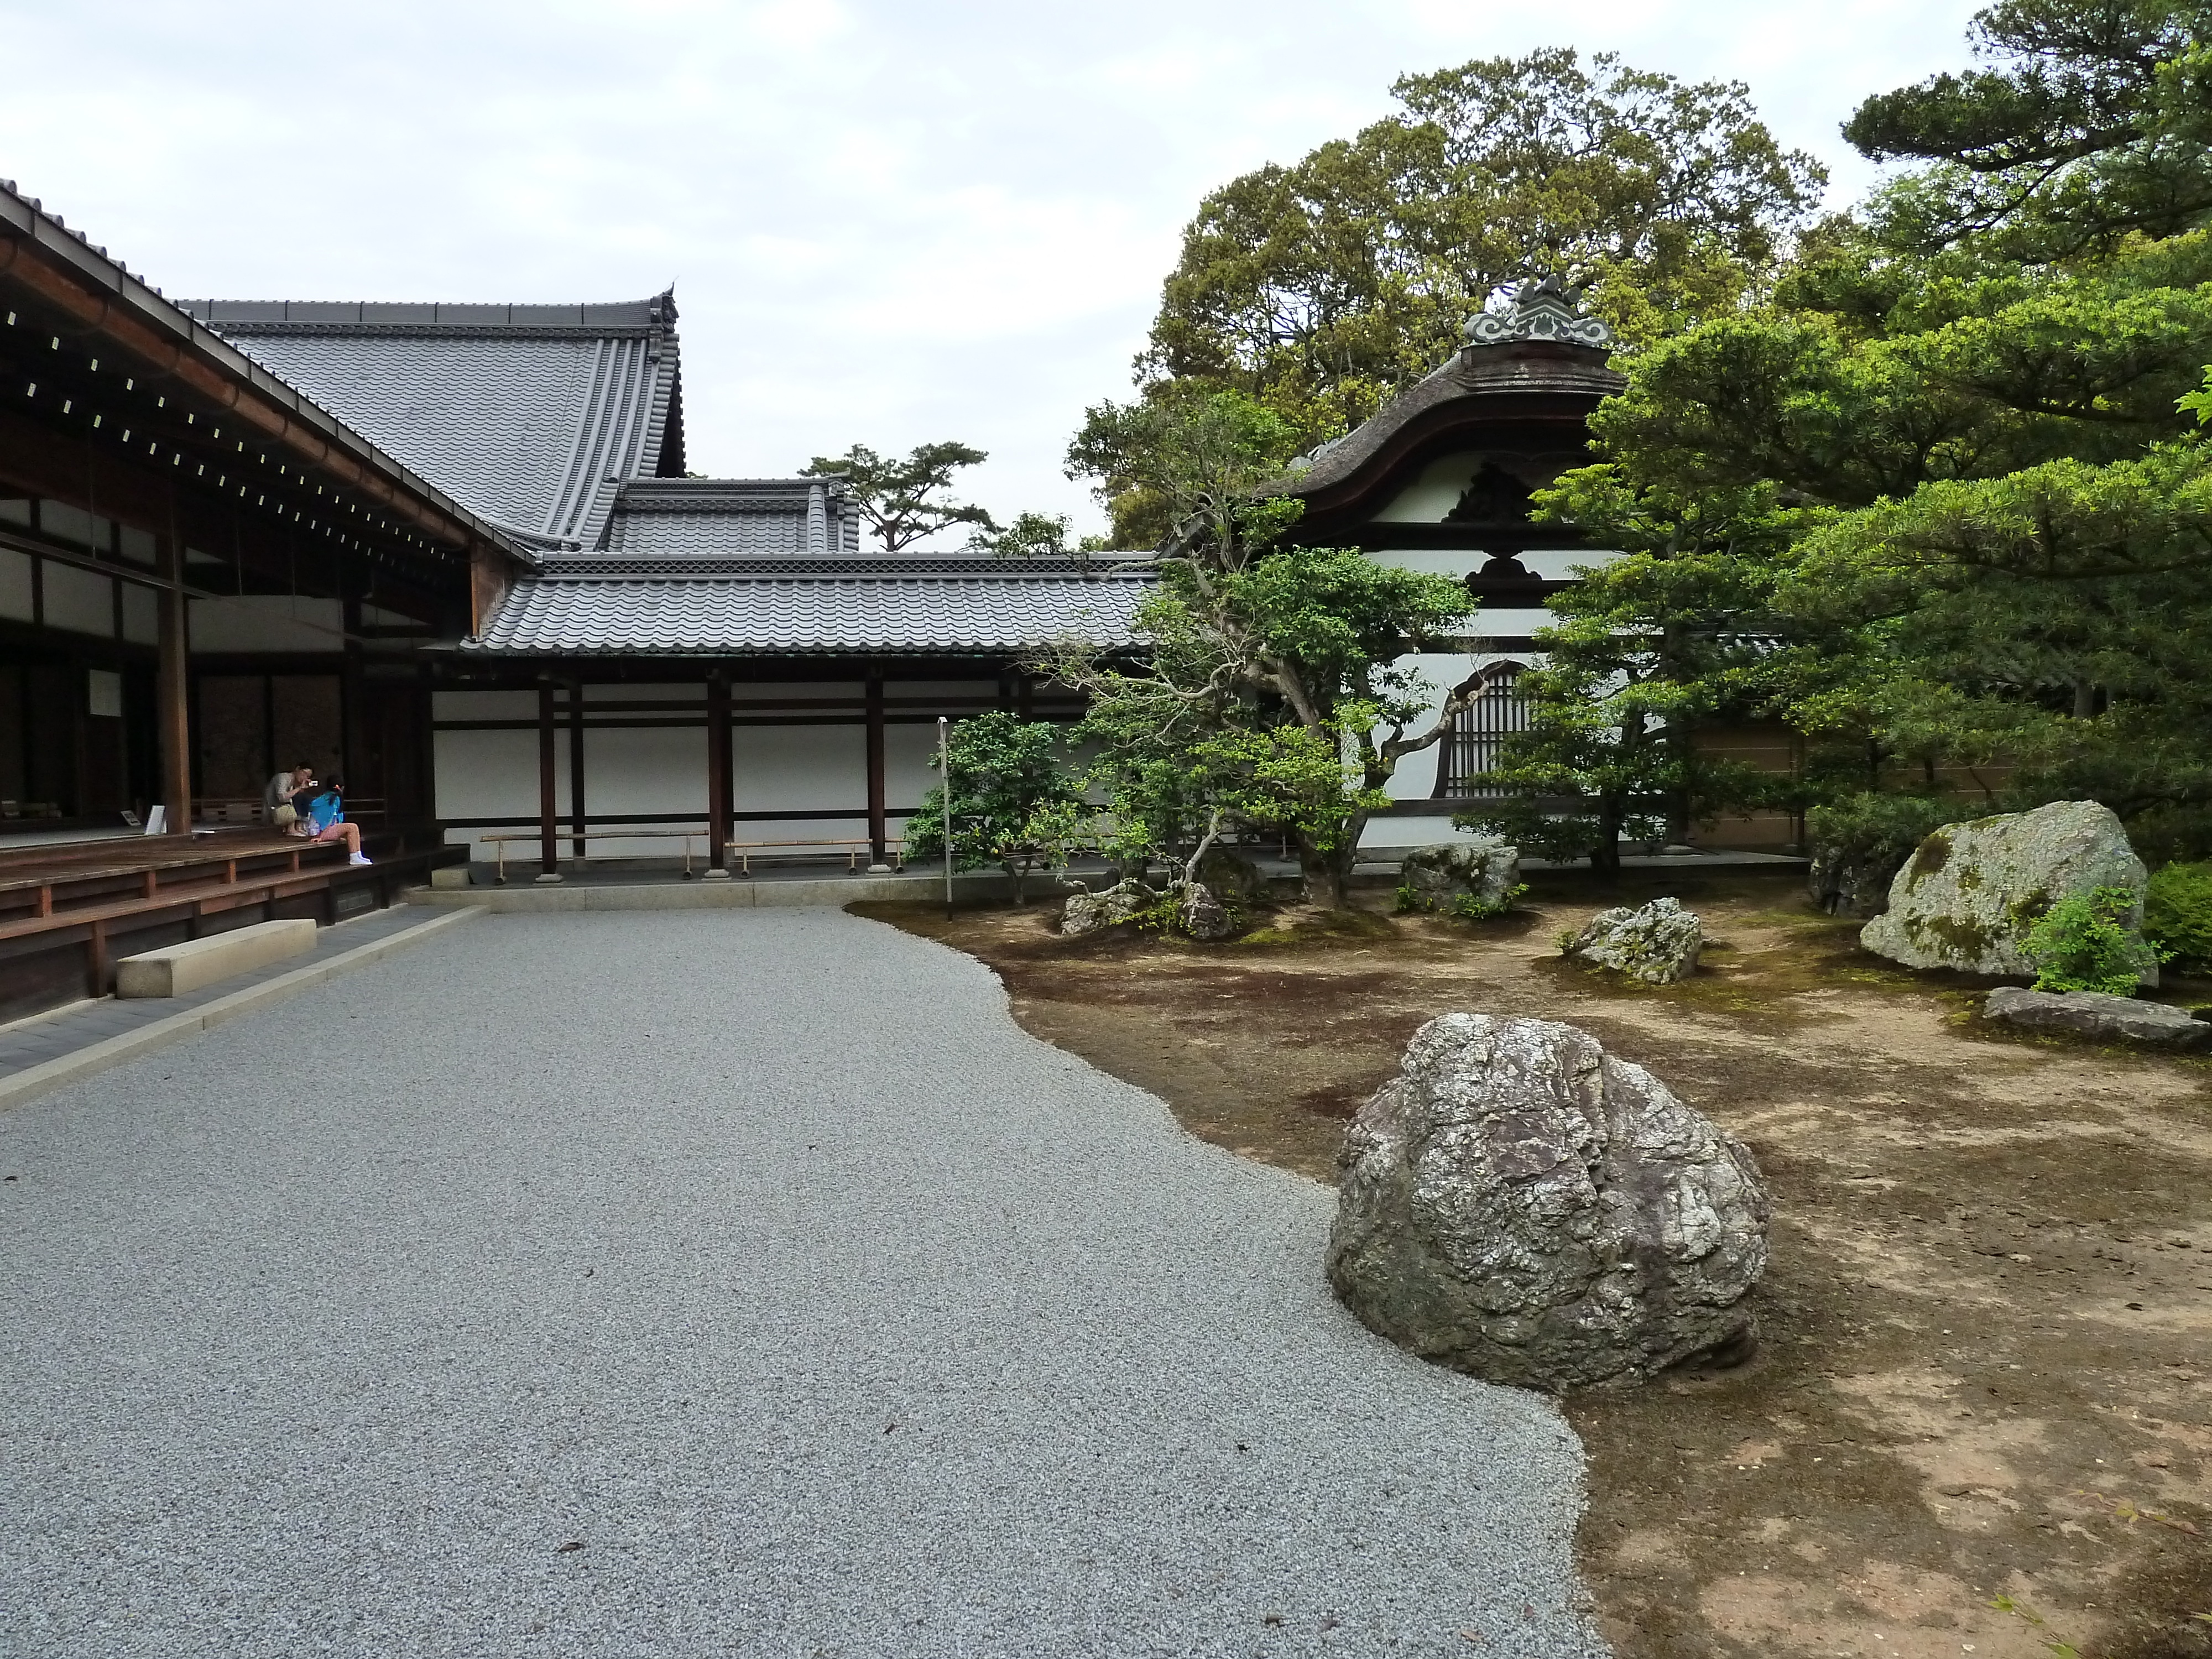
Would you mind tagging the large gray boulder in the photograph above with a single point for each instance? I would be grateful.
(2102, 1018)
(1519, 1205)
(1469, 878)
(1658, 943)
(1112, 907)
(1970, 892)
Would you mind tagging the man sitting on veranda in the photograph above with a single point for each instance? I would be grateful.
(276, 798)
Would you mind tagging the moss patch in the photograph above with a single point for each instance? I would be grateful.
(1929, 858)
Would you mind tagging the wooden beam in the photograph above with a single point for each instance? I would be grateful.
(172, 700)
(721, 794)
(577, 824)
(879, 834)
(548, 855)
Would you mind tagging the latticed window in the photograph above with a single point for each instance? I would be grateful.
(1478, 735)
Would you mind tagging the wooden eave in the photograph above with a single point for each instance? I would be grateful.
(68, 277)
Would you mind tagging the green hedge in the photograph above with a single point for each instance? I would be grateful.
(2178, 916)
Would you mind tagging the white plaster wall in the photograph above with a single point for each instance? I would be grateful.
(491, 774)
(673, 691)
(800, 767)
(1454, 562)
(908, 775)
(1508, 621)
(813, 690)
(660, 769)
(1435, 493)
(484, 706)
(968, 690)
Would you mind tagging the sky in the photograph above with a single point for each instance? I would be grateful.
(886, 222)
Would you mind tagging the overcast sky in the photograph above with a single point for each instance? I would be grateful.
(886, 222)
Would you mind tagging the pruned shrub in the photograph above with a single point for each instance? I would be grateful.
(2082, 944)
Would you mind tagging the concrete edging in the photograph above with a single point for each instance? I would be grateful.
(739, 894)
(159, 1034)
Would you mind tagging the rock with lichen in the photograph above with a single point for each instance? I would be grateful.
(1200, 914)
(2099, 1018)
(1477, 878)
(1967, 896)
(1658, 943)
(1111, 907)
(1520, 1205)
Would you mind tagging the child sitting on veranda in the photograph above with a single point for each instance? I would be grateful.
(325, 820)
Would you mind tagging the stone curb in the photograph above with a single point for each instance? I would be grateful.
(35, 1080)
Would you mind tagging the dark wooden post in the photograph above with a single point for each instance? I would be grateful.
(879, 834)
(549, 826)
(576, 821)
(172, 702)
(719, 803)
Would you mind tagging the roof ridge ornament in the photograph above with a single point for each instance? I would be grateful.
(1542, 308)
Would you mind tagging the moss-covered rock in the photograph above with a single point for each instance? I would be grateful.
(1970, 891)
(1657, 944)
(1475, 877)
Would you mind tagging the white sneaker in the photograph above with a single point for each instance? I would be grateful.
(358, 858)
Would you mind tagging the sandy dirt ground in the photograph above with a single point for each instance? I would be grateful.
(1982, 1375)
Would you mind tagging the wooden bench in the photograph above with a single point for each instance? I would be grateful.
(745, 849)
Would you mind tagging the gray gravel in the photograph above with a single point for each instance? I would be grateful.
(761, 1256)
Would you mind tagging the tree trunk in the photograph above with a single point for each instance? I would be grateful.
(1328, 874)
(1605, 855)
(1680, 743)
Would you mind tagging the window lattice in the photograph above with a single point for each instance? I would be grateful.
(1479, 733)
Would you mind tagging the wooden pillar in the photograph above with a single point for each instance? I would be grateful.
(577, 824)
(548, 840)
(172, 683)
(719, 803)
(879, 835)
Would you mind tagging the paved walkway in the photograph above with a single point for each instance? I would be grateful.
(720, 1283)
(28, 1042)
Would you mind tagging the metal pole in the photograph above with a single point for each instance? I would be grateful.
(945, 768)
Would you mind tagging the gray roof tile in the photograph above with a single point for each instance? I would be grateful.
(791, 516)
(531, 415)
(804, 607)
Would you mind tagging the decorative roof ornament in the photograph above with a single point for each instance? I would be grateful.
(1545, 309)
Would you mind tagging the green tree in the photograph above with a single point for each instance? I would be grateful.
(2088, 127)
(1269, 697)
(1677, 633)
(1031, 536)
(1998, 562)
(905, 501)
(1009, 780)
(1323, 286)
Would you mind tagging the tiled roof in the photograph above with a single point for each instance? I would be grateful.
(26, 216)
(789, 516)
(534, 415)
(610, 606)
